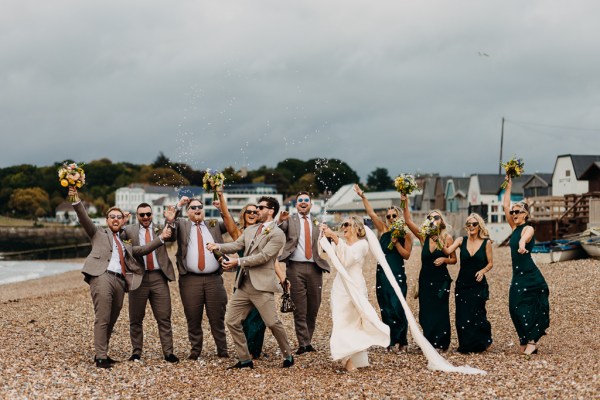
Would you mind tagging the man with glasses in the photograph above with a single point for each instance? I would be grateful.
(200, 281)
(257, 282)
(158, 272)
(110, 264)
(304, 269)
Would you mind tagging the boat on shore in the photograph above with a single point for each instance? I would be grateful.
(592, 246)
(557, 251)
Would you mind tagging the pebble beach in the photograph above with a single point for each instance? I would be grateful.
(46, 349)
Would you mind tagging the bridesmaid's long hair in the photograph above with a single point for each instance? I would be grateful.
(444, 228)
(242, 217)
(483, 230)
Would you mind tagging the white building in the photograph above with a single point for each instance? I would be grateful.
(237, 196)
(566, 177)
(65, 214)
(129, 197)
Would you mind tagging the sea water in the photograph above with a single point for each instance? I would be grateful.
(17, 271)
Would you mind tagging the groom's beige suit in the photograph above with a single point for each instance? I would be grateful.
(256, 285)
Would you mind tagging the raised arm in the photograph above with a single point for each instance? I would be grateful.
(506, 202)
(452, 248)
(450, 259)
(230, 224)
(82, 215)
(379, 224)
(408, 219)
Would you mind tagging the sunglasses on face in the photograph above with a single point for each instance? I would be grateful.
(251, 212)
(303, 200)
(435, 217)
(473, 224)
(113, 216)
(261, 207)
(148, 214)
(515, 212)
(346, 224)
(390, 216)
(200, 207)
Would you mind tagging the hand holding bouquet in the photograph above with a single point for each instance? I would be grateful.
(514, 168)
(405, 184)
(398, 230)
(430, 229)
(212, 180)
(71, 175)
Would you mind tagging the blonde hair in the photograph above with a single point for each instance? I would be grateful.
(388, 222)
(483, 231)
(444, 228)
(242, 217)
(359, 226)
(524, 207)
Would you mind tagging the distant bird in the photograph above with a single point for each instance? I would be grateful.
(483, 54)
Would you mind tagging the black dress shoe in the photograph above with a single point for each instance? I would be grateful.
(309, 348)
(110, 360)
(135, 357)
(103, 363)
(223, 355)
(241, 365)
(288, 363)
(193, 356)
(301, 350)
(172, 358)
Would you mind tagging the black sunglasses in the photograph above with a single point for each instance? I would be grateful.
(435, 217)
(515, 212)
(148, 214)
(200, 207)
(473, 224)
(261, 207)
(390, 216)
(346, 224)
(251, 212)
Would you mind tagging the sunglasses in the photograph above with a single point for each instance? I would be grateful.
(473, 224)
(113, 216)
(390, 216)
(435, 217)
(251, 212)
(200, 207)
(346, 224)
(263, 207)
(515, 212)
(148, 214)
(303, 200)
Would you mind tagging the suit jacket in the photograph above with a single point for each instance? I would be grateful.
(291, 227)
(182, 231)
(260, 254)
(132, 232)
(97, 261)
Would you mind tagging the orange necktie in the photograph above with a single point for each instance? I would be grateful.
(307, 241)
(149, 257)
(200, 248)
(121, 256)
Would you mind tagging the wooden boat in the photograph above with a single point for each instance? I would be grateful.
(557, 251)
(592, 246)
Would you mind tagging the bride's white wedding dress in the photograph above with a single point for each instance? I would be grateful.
(356, 326)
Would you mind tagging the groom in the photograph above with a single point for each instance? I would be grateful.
(256, 282)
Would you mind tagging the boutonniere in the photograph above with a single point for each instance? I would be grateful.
(127, 241)
(212, 223)
(157, 230)
(315, 222)
(267, 230)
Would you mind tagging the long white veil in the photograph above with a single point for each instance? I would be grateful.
(435, 361)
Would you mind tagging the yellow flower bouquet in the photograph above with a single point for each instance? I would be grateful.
(514, 168)
(71, 174)
(212, 180)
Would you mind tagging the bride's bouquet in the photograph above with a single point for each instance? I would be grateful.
(405, 184)
(212, 180)
(514, 168)
(71, 175)
(430, 228)
(398, 230)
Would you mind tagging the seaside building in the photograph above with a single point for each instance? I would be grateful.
(567, 175)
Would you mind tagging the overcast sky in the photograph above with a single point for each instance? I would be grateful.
(412, 86)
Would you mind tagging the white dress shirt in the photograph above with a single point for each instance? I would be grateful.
(191, 261)
(299, 254)
(115, 261)
(142, 239)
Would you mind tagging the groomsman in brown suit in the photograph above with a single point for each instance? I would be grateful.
(108, 270)
(304, 268)
(200, 280)
(158, 272)
(256, 282)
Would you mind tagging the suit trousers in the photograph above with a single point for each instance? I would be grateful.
(107, 293)
(306, 279)
(154, 288)
(197, 292)
(244, 299)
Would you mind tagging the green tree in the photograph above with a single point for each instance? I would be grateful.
(162, 161)
(379, 180)
(306, 183)
(30, 202)
(165, 177)
(331, 174)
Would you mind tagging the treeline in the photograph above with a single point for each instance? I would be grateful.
(31, 191)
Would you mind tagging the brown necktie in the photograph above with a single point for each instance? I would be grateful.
(200, 248)
(121, 255)
(307, 241)
(149, 257)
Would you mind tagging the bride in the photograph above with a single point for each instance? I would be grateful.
(356, 326)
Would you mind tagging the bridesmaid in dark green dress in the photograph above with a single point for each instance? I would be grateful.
(434, 280)
(254, 327)
(528, 296)
(392, 313)
(472, 291)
